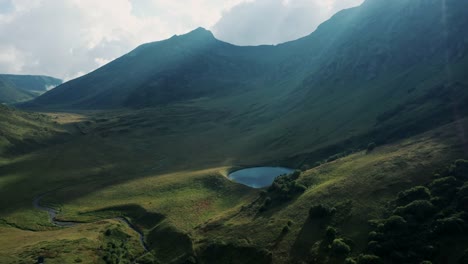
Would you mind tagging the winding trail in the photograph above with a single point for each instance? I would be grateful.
(53, 214)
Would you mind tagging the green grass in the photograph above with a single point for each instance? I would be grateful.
(128, 164)
(359, 186)
(62, 245)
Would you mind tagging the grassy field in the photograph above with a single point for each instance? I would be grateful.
(359, 186)
(173, 186)
(80, 244)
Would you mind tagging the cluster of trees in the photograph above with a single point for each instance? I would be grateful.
(115, 250)
(335, 248)
(420, 218)
(283, 188)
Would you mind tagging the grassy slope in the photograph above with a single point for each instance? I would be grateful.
(148, 169)
(9, 94)
(21, 88)
(20, 130)
(61, 245)
(362, 183)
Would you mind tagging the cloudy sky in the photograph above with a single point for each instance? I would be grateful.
(68, 38)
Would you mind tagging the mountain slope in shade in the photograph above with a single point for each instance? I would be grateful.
(180, 68)
(19, 88)
(378, 71)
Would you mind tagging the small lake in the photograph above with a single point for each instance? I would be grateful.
(258, 177)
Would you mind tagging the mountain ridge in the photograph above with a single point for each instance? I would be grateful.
(18, 88)
(359, 73)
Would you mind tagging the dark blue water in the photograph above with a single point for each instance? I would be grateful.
(258, 177)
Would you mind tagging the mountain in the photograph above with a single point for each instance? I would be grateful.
(19, 88)
(377, 72)
(180, 68)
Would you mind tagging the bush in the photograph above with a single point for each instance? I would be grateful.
(395, 222)
(440, 202)
(460, 169)
(299, 188)
(374, 236)
(349, 261)
(444, 186)
(305, 167)
(420, 209)
(321, 211)
(339, 248)
(450, 225)
(330, 234)
(463, 192)
(369, 259)
(265, 205)
(285, 187)
(415, 193)
(295, 175)
(371, 147)
(374, 247)
(285, 229)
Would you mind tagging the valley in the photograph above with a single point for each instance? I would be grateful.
(135, 162)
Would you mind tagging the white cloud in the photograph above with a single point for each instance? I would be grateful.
(67, 38)
(276, 21)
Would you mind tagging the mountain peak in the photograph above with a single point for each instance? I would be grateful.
(200, 32)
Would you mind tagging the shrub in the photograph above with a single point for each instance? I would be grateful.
(426, 262)
(374, 247)
(339, 248)
(460, 169)
(449, 225)
(394, 222)
(444, 186)
(371, 147)
(330, 234)
(295, 175)
(463, 192)
(321, 211)
(349, 261)
(285, 229)
(420, 209)
(440, 202)
(415, 193)
(376, 236)
(298, 188)
(369, 259)
(265, 205)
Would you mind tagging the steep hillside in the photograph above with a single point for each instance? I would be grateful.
(178, 69)
(20, 88)
(378, 72)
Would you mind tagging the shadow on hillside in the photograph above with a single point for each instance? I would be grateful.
(311, 232)
(140, 217)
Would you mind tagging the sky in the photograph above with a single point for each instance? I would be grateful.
(69, 38)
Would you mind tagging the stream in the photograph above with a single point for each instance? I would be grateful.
(53, 214)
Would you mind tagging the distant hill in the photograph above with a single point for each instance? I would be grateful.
(19, 88)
